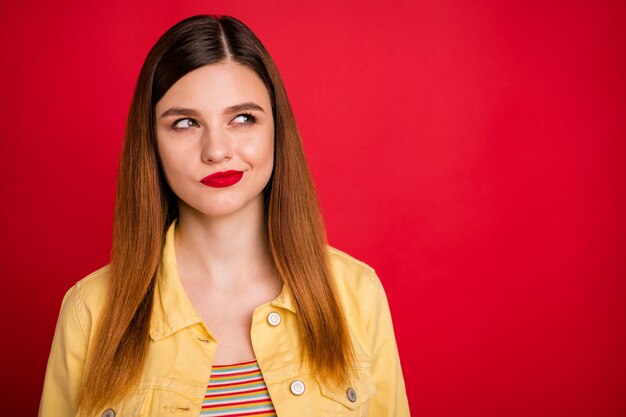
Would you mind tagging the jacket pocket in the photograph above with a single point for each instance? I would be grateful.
(132, 405)
(350, 400)
(153, 402)
(170, 403)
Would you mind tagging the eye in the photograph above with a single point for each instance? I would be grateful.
(184, 124)
(244, 119)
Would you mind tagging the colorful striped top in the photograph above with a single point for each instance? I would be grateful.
(237, 390)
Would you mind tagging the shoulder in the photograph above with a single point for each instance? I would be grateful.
(94, 283)
(85, 300)
(91, 290)
(349, 271)
(362, 297)
(345, 263)
(356, 282)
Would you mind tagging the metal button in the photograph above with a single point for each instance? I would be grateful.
(351, 394)
(108, 413)
(297, 387)
(273, 318)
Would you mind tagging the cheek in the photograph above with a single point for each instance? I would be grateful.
(268, 160)
(171, 164)
(166, 163)
(260, 152)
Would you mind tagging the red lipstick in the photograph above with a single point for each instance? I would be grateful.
(222, 179)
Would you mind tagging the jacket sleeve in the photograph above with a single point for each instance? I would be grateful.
(390, 399)
(65, 364)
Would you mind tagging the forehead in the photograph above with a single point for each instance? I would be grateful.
(216, 86)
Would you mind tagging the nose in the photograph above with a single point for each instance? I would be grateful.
(216, 146)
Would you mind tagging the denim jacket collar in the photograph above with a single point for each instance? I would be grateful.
(172, 310)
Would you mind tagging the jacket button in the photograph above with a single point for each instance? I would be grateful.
(273, 318)
(108, 413)
(297, 387)
(351, 394)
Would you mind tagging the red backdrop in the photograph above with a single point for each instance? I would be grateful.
(472, 152)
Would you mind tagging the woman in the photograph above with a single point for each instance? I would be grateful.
(222, 293)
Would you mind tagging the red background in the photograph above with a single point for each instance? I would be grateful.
(472, 152)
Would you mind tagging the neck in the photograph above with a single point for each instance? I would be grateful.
(222, 251)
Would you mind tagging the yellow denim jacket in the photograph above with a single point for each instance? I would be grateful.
(178, 365)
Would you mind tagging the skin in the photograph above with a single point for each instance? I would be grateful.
(221, 250)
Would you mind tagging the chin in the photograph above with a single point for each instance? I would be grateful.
(221, 208)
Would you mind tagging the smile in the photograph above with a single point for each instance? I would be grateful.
(222, 179)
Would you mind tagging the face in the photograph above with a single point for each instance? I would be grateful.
(215, 137)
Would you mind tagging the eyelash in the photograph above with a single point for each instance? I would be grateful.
(176, 122)
(251, 120)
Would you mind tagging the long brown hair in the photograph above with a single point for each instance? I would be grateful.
(145, 207)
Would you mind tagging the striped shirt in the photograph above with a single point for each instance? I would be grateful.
(237, 390)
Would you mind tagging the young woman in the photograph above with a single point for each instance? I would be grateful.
(222, 296)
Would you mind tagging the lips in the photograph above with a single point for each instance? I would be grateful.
(222, 179)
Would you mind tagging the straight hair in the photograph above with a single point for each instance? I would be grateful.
(145, 207)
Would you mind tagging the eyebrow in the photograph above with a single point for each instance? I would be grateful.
(182, 111)
(243, 107)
